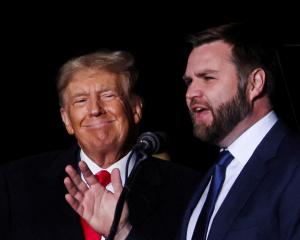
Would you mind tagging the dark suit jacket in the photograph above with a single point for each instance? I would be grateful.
(264, 202)
(32, 203)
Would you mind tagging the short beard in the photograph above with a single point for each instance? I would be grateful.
(225, 118)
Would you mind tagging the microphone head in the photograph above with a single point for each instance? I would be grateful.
(151, 142)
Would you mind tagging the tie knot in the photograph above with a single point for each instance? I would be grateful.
(225, 158)
(103, 177)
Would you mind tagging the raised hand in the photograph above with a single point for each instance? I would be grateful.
(92, 201)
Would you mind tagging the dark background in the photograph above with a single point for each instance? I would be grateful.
(37, 40)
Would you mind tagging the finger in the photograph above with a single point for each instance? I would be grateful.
(116, 180)
(87, 174)
(74, 204)
(72, 189)
(76, 179)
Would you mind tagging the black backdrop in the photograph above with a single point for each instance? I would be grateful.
(36, 42)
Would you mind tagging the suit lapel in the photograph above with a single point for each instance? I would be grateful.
(248, 180)
(193, 203)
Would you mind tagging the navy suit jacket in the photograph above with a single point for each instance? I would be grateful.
(33, 206)
(264, 201)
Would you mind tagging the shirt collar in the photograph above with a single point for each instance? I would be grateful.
(244, 146)
(120, 164)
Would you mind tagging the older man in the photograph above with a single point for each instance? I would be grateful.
(100, 107)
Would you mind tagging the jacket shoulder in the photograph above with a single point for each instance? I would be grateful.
(39, 162)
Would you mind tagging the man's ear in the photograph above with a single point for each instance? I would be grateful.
(256, 83)
(65, 118)
(137, 109)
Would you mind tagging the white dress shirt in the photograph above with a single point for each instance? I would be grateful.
(241, 149)
(121, 165)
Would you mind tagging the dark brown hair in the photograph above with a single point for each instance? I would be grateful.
(250, 50)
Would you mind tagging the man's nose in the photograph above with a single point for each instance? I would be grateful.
(96, 107)
(193, 90)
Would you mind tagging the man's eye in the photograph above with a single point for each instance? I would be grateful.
(188, 82)
(80, 101)
(108, 96)
(208, 78)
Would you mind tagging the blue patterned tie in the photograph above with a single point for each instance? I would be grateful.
(212, 196)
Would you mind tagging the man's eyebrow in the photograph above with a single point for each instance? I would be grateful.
(78, 94)
(186, 78)
(205, 72)
(200, 74)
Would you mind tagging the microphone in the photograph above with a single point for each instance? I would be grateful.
(151, 142)
(148, 143)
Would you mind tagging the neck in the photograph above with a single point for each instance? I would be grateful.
(104, 159)
(259, 110)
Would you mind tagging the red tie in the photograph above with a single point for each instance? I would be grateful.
(89, 234)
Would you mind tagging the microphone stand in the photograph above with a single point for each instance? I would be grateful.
(127, 187)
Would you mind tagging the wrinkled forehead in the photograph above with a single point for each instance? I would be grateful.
(99, 77)
(87, 80)
(208, 56)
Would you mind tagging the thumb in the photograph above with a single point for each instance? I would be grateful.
(116, 181)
